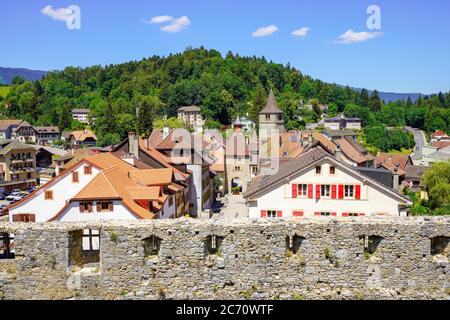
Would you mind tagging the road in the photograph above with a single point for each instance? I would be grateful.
(421, 142)
(234, 207)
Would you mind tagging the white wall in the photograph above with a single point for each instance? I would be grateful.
(169, 211)
(73, 214)
(63, 190)
(195, 188)
(333, 126)
(372, 201)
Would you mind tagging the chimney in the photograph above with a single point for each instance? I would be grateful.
(396, 181)
(310, 139)
(133, 145)
(166, 132)
(338, 152)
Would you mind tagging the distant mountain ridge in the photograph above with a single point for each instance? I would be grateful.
(392, 96)
(8, 74)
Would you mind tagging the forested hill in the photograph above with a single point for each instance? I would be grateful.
(222, 86)
(8, 74)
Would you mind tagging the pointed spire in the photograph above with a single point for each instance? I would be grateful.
(271, 106)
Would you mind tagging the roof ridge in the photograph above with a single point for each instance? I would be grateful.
(103, 172)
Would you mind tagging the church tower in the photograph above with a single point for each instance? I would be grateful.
(271, 118)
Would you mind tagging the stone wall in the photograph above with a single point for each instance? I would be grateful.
(251, 262)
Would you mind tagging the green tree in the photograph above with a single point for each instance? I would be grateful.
(437, 183)
(375, 102)
(258, 102)
(146, 114)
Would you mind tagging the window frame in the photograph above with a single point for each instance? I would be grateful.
(300, 188)
(88, 170)
(332, 170)
(318, 170)
(268, 214)
(47, 193)
(325, 191)
(75, 177)
(347, 191)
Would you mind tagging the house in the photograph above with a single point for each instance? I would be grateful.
(139, 153)
(441, 144)
(47, 135)
(439, 136)
(431, 154)
(82, 115)
(339, 134)
(17, 165)
(396, 163)
(184, 151)
(346, 149)
(248, 124)
(192, 117)
(413, 177)
(341, 122)
(98, 188)
(6, 128)
(83, 138)
(317, 184)
(25, 133)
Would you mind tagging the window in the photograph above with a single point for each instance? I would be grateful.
(105, 206)
(86, 207)
(267, 117)
(91, 240)
(237, 168)
(293, 244)
(214, 244)
(87, 170)
(371, 244)
(75, 177)
(440, 246)
(303, 190)
(49, 195)
(26, 217)
(280, 117)
(325, 214)
(271, 214)
(151, 246)
(6, 250)
(318, 170)
(349, 191)
(325, 190)
(350, 214)
(332, 170)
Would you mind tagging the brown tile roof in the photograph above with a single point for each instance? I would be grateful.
(83, 135)
(144, 193)
(438, 134)
(99, 188)
(349, 150)
(47, 129)
(441, 144)
(331, 147)
(271, 106)
(153, 177)
(389, 161)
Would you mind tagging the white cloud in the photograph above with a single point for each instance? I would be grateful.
(265, 31)
(352, 37)
(177, 25)
(301, 32)
(61, 14)
(160, 19)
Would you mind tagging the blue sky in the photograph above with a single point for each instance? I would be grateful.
(409, 54)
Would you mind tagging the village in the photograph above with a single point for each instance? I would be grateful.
(265, 172)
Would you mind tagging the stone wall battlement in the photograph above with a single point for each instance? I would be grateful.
(319, 258)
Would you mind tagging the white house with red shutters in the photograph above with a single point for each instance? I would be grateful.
(317, 184)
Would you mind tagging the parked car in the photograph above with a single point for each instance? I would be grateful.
(14, 197)
(4, 205)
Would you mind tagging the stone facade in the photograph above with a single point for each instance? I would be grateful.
(327, 260)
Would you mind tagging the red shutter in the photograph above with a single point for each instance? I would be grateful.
(294, 191)
(32, 218)
(263, 214)
(15, 218)
(317, 213)
(298, 213)
(345, 214)
(341, 191)
(358, 192)
(280, 214)
(310, 191)
(333, 191)
(333, 214)
(362, 214)
(318, 191)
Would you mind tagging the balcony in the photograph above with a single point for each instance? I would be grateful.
(16, 182)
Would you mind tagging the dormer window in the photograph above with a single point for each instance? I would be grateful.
(318, 170)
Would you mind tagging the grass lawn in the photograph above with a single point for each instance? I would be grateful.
(4, 90)
(403, 151)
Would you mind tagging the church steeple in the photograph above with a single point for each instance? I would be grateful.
(271, 118)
